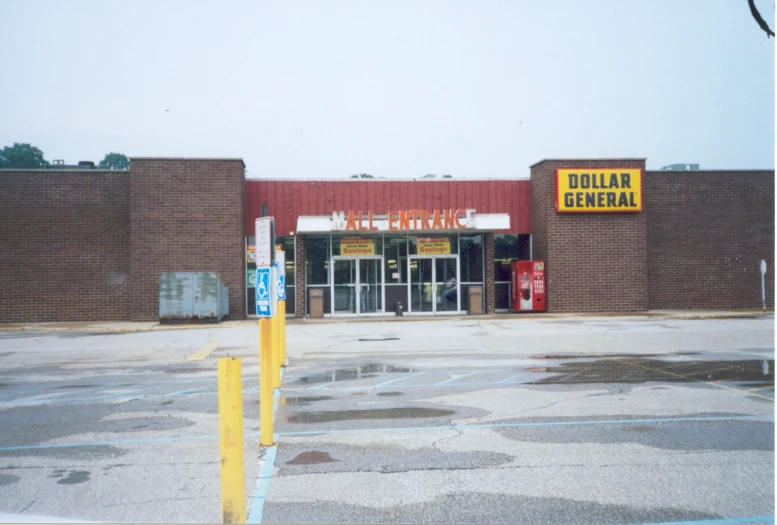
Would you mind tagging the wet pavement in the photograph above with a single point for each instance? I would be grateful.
(609, 420)
(571, 421)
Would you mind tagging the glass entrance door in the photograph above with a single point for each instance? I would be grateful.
(446, 284)
(421, 285)
(434, 284)
(357, 286)
(344, 293)
(370, 286)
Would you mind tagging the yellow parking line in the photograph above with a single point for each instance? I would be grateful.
(759, 388)
(205, 351)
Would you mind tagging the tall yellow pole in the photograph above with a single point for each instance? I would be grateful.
(233, 503)
(276, 350)
(265, 383)
(282, 310)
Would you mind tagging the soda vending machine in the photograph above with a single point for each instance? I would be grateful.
(528, 286)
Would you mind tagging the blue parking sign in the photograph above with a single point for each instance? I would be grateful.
(265, 302)
(280, 272)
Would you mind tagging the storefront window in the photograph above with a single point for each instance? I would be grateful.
(395, 259)
(317, 260)
(471, 258)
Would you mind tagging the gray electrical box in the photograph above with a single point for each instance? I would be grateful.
(192, 297)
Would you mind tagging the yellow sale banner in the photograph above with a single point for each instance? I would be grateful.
(434, 246)
(357, 247)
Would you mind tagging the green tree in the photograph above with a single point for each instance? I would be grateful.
(22, 156)
(362, 176)
(114, 161)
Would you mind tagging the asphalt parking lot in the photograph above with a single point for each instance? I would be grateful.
(504, 420)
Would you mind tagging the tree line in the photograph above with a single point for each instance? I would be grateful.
(28, 157)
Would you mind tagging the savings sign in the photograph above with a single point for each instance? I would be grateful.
(599, 190)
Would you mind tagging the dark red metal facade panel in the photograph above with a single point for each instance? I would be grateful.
(287, 200)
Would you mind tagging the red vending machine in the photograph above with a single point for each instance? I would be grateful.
(528, 286)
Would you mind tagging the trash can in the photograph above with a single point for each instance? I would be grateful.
(398, 309)
(316, 302)
(475, 296)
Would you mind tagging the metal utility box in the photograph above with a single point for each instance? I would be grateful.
(475, 299)
(192, 297)
(528, 286)
(316, 302)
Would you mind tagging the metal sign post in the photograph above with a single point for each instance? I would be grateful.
(265, 308)
(763, 285)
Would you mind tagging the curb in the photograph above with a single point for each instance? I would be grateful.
(100, 328)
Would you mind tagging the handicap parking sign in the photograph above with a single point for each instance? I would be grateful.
(280, 272)
(265, 300)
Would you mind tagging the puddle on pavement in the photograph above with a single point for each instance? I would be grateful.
(8, 479)
(608, 356)
(183, 370)
(74, 477)
(390, 394)
(311, 458)
(637, 369)
(382, 413)
(305, 400)
(356, 372)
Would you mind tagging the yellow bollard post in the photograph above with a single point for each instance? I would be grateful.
(230, 385)
(282, 310)
(276, 351)
(265, 383)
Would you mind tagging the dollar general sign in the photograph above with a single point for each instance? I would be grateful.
(598, 190)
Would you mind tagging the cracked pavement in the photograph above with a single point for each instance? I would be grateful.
(596, 421)
(591, 420)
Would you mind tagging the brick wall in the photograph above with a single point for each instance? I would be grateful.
(186, 215)
(596, 262)
(490, 291)
(299, 277)
(65, 245)
(707, 232)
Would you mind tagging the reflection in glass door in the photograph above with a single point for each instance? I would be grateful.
(421, 285)
(434, 284)
(446, 286)
(370, 286)
(344, 286)
(357, 286)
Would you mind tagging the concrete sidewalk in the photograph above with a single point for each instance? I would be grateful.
(123, 327)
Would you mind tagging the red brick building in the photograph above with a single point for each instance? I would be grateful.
(88, 245)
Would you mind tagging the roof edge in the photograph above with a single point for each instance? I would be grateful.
(191, 158)
(61, 170)
(591, 159)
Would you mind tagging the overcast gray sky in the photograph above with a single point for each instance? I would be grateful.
(326, 89)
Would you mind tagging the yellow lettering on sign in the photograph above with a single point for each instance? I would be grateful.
(434, 246)
(599, 190)
(357, 247)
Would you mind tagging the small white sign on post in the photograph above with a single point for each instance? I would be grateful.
(265, 241)
(763, 284)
